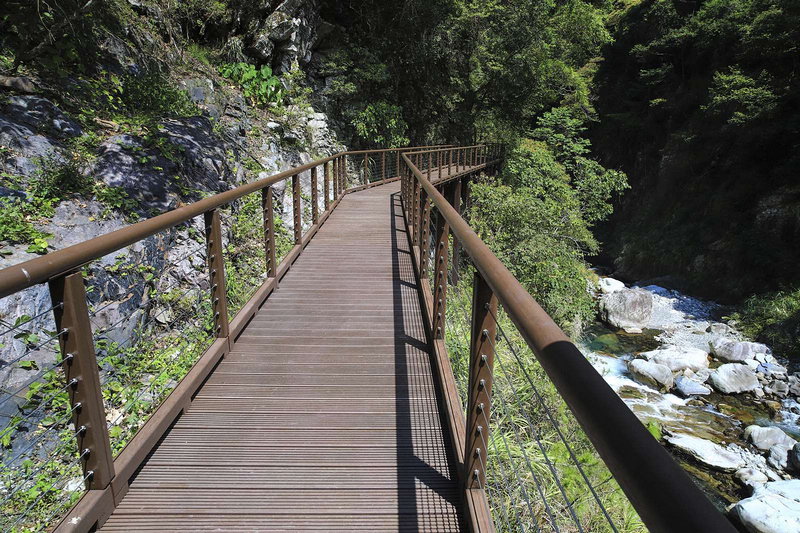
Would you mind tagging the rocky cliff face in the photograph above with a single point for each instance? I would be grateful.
(224, 141)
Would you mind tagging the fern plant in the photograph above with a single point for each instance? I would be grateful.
(259, 85)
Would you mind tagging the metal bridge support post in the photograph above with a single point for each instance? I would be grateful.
(479, 389)
(314, 197)
(416, 217)
(335, 178)
(343, 176)
(424, 233)
(326, 183)
(216, 268)
(440, 277)
(269, 231)
(83, 379)
(430, 155)
(297, 210)
(455, 201)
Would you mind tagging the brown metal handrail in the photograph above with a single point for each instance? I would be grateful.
(659, 489)
(39, 270)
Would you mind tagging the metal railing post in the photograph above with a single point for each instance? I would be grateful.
(479, 389)
(297, 210)
(326, 184)
(216, 269)
(397, 163)
(366, 168)
(82, 378)
(424, 232)
(416, 218)
(314, 197)
(343, 175)
(430, 154)
(383, 167)
(269, 231)
(440, 276)
(455, 201)
(439, 161)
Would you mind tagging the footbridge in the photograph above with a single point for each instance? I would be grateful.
(371, 367)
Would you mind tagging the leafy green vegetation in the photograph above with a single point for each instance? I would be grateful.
(538, 217)
(774, 319)
(16, 226)
(245, 257)
(381, 124)
(258, 84)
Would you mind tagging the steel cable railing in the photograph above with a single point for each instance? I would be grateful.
(553, 422)
(550, 474)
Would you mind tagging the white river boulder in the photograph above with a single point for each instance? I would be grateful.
(773, 508)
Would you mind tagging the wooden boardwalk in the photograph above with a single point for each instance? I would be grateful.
(324, 417)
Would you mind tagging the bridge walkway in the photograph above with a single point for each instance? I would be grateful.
(324, 416)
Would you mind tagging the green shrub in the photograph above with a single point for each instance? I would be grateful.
(153, 94)
(259, 85)
(16, 226)
(115, 198)
(774, 319)
(381, 124)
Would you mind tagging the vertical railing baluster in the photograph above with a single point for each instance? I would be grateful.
(269, 231)
(450, 162)
(216, 269)
(297, 210)
(366, 168)
(440, 276)
(397, 162)
(430, 154)
(479, 389)
(383, 167)
(326, 183)
(439, 162)
(335, 178)
(417, 189)
(314, 197)
(71, 314)
(343, 176)
(425, 223)
(455, 201)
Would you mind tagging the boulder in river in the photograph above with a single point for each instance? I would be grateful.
(627, 309)
(689, 387)
(659, 376)
(773, 508)
(732, 378)
(678, 358)
(707, 452)
(765, 438)
(793, 458)
(609, 285)
(734, 351)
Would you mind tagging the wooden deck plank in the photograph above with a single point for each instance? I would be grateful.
(324, 416)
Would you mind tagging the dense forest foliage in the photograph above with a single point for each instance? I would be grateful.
(692, 103)
(696, 101)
